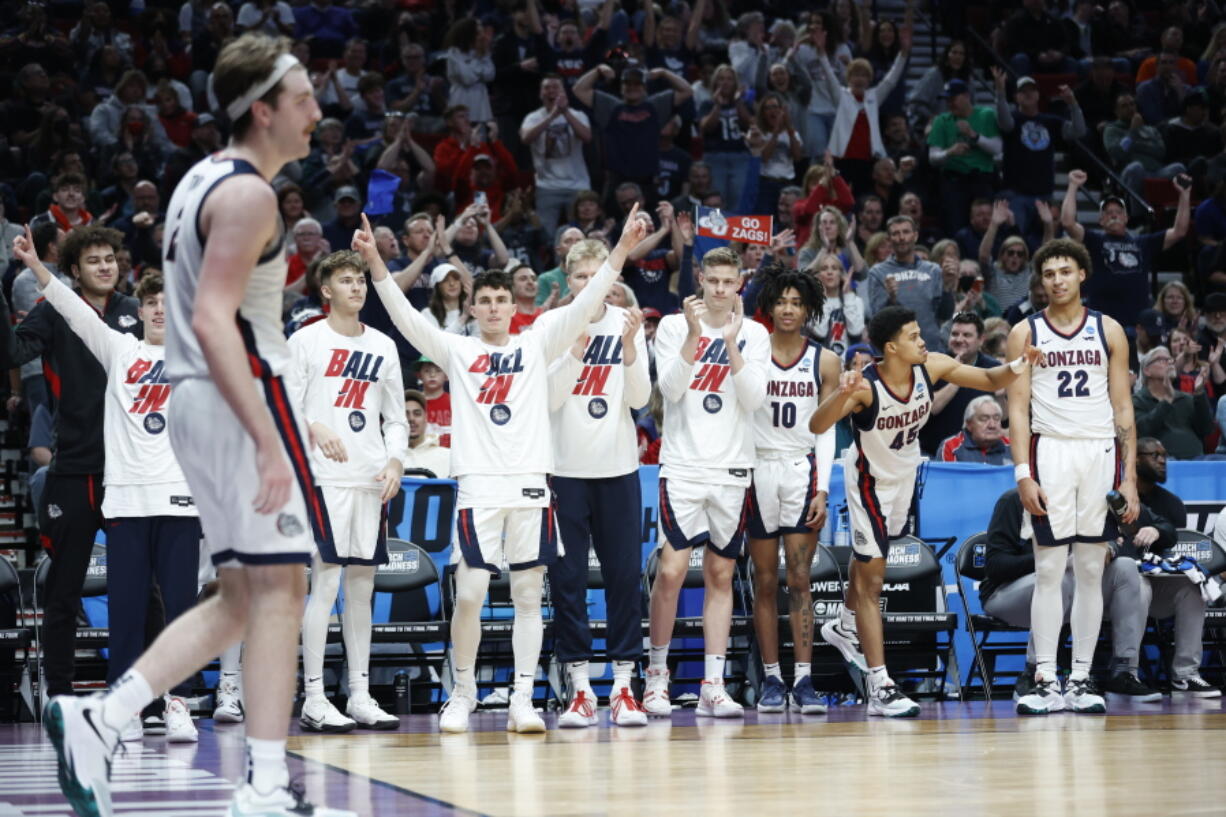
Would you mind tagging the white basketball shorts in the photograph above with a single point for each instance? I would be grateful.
(358, 519)
(877, 508)
(779, 498)
(1076, 476)
(699, 513)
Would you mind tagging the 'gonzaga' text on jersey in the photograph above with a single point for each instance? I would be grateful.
(1068, 390)
(887, 430)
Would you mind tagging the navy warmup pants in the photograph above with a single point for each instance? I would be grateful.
(605, 514)
(140, 549)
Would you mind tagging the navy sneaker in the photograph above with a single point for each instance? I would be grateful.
(805, 699)
(774, 695)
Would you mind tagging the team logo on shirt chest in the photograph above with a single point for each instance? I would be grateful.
(152, 393)
(499, 370)
(602, 354)
(358, 370)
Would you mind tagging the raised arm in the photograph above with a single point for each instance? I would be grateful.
(944, 367)
(419, 331)
(637, 390)
(851, 394)
(1068, 209)
(585, 87)
(1183, 213)
(1000, 214)
(748, 365)
(1121, 405)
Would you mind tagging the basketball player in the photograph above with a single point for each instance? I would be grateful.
(501, 453)
(152, 526)
(889, 402)
(790, 483)
(236, 436)
(1071, 429)
(594, 390)
(712, 366)
(348, 385)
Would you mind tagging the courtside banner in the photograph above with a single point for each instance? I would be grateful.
(750, 229)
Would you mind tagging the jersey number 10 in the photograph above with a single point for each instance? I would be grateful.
(783, 414)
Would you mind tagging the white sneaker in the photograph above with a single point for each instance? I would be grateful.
(715, 703)
(84, 745)
(581, 713)
(133, 731)
(1082, 697)
(283, 802)
(1043, 698)
(888, 702)
(179, 726)
(228, 702)
(453, 717)
(367, 713)
(319, 715)
(624, 710)
(847, 642)
(655, 694)
(522, 716)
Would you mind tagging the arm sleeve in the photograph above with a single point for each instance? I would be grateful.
(672, 371)
(563, 373)
(892, 76)
(101, 340)
(299, 375)
(825, 458)
(395, 427)
(638, 377)
(750, 381)
(571, 319)
(432, 341)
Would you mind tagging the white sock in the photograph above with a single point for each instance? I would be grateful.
(877, 677)
(847, 618)
(266, 769)
(528, 631)
(1047, 606)
(657, 657)
(359, 583)
(580, 680)
(129, 695)
(325, 581)
(232, 661)
(622, 670)
(773, 671)
(714, 673)
(803, 669)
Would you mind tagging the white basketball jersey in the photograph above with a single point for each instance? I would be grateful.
(1069, 396)
(781, 424)
(887, 431)
(259, 315)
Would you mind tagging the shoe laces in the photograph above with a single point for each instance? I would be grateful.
(581, 703)
(626, 699)
(715, 692)
(888, 693)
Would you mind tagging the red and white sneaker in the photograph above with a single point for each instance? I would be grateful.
(714, 702)
(581, 713)
(624, 710)
(655, 695)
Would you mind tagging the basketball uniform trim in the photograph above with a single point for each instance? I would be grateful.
(278, 401)
(668, 521)
(327, 547)
(241, 167)
(733, 549)
(867, 416)
(755, 525)
(548, 549)
(810, 493)
(866, 485)
(224, 556)
(470, 546)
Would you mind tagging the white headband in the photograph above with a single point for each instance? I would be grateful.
(241, 105)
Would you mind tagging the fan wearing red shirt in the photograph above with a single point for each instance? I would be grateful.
(438, 400)
(524, 288)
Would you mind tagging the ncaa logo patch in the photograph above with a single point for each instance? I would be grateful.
(597, 408)
(919, 387)
(155, 423)
(500, 415)
(357, 420)
(712, 403)
(289, 526)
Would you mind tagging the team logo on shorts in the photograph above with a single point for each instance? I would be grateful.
(155, 423)
(597, 408)
(861, 539)
(500, 414)
(357, 420)
(712, 403)
(289, 526)
(126, 321)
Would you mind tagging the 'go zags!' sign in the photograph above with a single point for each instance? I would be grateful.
(749, 229)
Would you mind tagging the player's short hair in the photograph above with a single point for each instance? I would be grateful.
(415, 396)
(68, 179)
(886, 325)
(589, 249)
(151, 284)
(779, 279)
(1062, 248)
(900, 219)
(45, 235)
(969, 318)
(492, 279)
(721, 257)
(333, 263)
(974, 405)
(243, 64)
(82, 238)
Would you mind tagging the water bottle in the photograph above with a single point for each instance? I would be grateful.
(400, 686)
(842, 532)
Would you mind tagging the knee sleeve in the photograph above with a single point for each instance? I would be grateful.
(1047, 605)
(325, 580)
(355, 623)
(471, 585)
(526, 589)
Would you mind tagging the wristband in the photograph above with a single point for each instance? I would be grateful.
(1021, 471)
(1018, 365)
